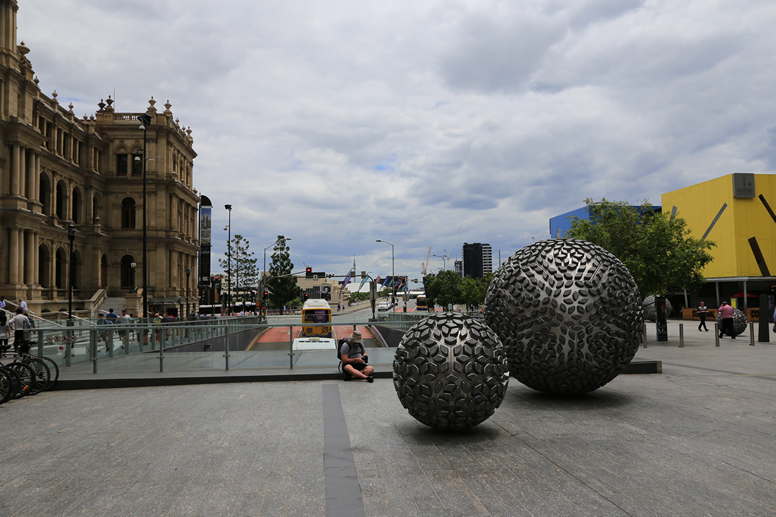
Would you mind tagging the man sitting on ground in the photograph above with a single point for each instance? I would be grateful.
(354, 359)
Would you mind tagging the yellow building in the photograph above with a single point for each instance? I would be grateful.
(737, 213)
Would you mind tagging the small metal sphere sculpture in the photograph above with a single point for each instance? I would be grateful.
(650, 310)
(450, 371)
(569, 315)
(739, 321)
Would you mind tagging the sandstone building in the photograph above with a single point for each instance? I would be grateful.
(58, 170)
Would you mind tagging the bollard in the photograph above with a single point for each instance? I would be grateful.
(751, 333)
(644, 333)
(162, 337)
(93, 348)
(291, 347)
(716, 334)
(226, 346)
(681, 335)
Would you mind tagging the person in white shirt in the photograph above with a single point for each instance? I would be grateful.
(20, 324)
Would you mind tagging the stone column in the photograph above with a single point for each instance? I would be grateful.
(53, 266)
(13, 258)
(15, 174)
(29, 258)
(36, 177)
(35, 259)
(23, 185)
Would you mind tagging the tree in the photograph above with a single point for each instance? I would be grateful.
(243, 266)
(473, 290)
(657, 248)
(430, 290)
(281, 284)
(447, 288)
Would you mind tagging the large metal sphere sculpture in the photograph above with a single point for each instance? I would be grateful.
(450, 371)
(739, 321)
(569, 315)
(650, 309)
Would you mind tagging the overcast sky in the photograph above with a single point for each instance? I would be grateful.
(425, 123)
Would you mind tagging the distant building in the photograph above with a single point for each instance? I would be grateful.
(459, 267)
(487, 259)
(561, 224)
(477, 259)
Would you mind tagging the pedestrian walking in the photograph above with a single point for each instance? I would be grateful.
(23, 306)
(703, 312)
(124, 321)
(726, 313)
(105, 335)
(20, 325)
(2, 303)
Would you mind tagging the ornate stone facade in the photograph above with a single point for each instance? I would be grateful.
(57, 170)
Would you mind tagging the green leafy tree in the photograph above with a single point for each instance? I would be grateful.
(473, 290)
(447, 288)
(657, 248)
(430, 289)
(243, 267)
(281, 284)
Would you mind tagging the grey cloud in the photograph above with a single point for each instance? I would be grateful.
(490, 116)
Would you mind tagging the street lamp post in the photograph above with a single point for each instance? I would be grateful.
(145, 121)
(71, 238)
(393, 271)
(188, 275)
(229, 256)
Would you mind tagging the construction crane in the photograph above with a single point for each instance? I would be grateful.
(424, 265)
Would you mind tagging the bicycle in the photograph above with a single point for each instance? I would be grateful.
(33, 372)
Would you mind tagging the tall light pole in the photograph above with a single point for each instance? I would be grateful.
(71, 238)
(229, 257)
(393, 271)
(145, 121)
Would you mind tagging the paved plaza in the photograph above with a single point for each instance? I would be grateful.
(696, 440)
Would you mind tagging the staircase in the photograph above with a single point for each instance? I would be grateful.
(113, 302)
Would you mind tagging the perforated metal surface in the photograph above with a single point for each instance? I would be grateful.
(450, 371)
(739, 321)
(568, 313)
(650, 310)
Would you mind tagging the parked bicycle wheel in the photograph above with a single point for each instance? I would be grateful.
(7, 385)
(53, 368)
(27, 380)
(41, 370)
(14, 380)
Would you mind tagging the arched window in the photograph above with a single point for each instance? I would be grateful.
(44, 265)
(45, 193)
(60, 269)
(128, 213)
(137, 163)
(76, 206)
(95, 208)
(127, 272)
(61, 199)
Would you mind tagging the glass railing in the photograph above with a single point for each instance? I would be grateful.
(142, 349)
